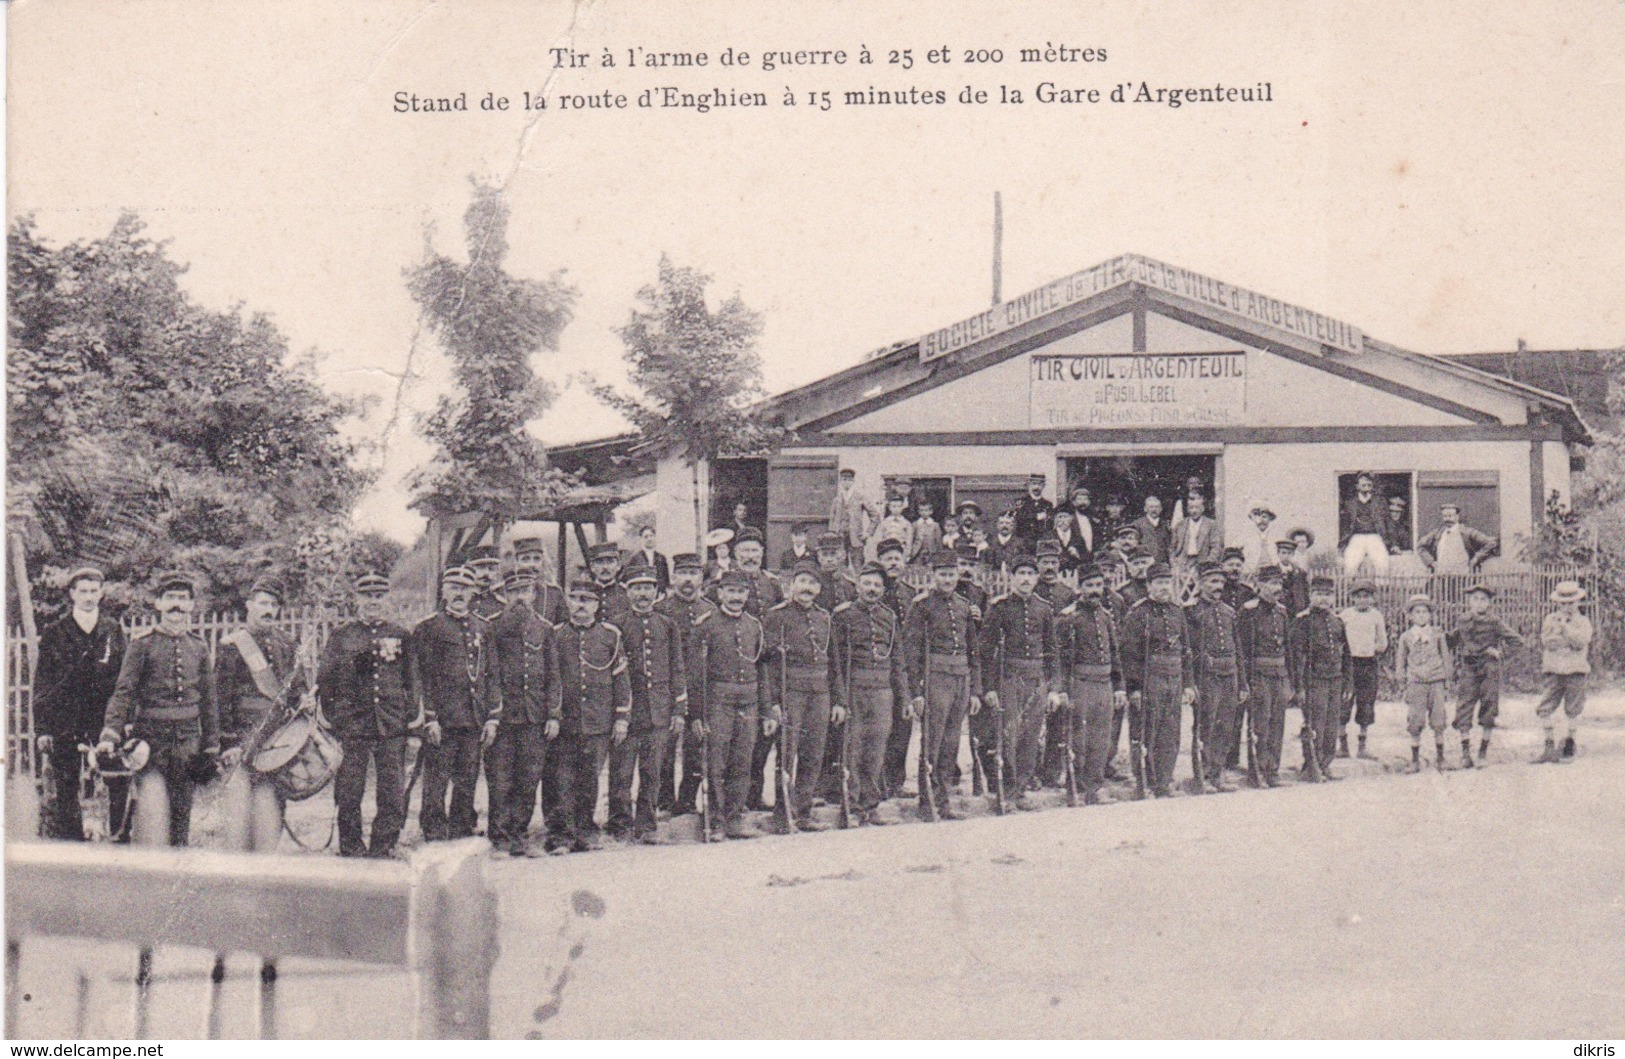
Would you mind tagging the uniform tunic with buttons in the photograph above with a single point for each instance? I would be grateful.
(458, 670)
(527, 665)
(730, 660)
(597, 689)
(1318, 655)
(1220, 680)
(654, 650)
(1018, 645)
(765, 593)
(1089, 661)
(939, 625)
(368, 680)
(798, 641)
(613, 603)
(1157, 663)
(1261, 631)
(166, 679)
(242, 706)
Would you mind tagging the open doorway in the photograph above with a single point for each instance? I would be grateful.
(1131, 478)
(736, 482)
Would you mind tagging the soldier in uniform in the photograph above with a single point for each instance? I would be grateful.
(1235, 591)
(939, 644)
(254, 675)
(764, 587)
(1159, 674)
(527, 667)
(1294, 578)
(1318, 653)
(654, 653)
(680, 782)
(165, 695)
(898, 596)
(604, 563)
(1051, 589)
(486, 563)
(596, 699)
(462, 705)
(1221, 685)
(530, 556)
(1261, 628)
(730, 667)
(835, 586)
(1034, 514)
(79, 660)
(866, 649)
(1089, 668)
(1018, 654)
(797, 634)
(368, 680)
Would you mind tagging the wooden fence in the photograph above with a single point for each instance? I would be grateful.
(433, 919)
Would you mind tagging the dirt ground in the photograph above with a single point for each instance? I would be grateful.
(1469, 903)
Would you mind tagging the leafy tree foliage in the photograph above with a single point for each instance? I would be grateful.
(698, 373)
(147, 430)
(490, 323)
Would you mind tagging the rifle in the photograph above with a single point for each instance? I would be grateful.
(998, 739)
(845, 818)
(927, 777)
(1066, 748)
(1253, 775)
(1137, 747)
(782, 816)
(705, 753)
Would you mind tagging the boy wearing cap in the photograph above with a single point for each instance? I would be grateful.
(368, 679)
(927, 531)
(939, 645)
(255, 674)
(1089, 666)
(1160, 677)
(895, 524)
(654, 650)
(527, 667)
(797, 635)
(868, 683)
(1480, 639)
(1367, 632)
(1318, 650)
(1221, 685)
(79, 659)
(596, 704)
(730, 689)
(165, 695)
(461, 701)
(685, 605)
(1565, 640)
(1422, 663)
(1018, 650)
(1261, 629)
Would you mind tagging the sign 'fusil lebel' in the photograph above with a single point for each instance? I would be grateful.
(1138, 390)
(1132, 268)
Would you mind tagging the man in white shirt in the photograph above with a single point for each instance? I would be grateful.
(1454, 547)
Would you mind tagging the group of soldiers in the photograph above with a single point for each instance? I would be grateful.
(685, 694)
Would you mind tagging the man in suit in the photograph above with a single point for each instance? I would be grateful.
(1192, 541)
(1153, 530)
(1074, 553)
(646, 555)
(1083, 521)
(1033, 512)
(1004, 545)
(851, 515)
(798, 551)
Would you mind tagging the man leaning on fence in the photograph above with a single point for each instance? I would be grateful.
(79, 659)
(368, 681)
(165, 697)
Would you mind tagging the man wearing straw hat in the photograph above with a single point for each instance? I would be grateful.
(1565, 640)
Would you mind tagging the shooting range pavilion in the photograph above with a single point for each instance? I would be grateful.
(1131, 377)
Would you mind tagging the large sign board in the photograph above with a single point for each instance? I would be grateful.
(1110, 390)
(1132, 268)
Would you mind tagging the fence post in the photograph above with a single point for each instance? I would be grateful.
(453, 941)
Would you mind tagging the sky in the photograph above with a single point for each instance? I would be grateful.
(1446, 178)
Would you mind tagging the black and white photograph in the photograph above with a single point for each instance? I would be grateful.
(897, 521)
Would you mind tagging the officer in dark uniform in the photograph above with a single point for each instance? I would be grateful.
(730, 667)
(1221, 685)
(685, 605)
(1159, 674)
(1089, 666)
(165, 695)
(1262, 631)
(530, 556)
(970, 587)
(1294, 579)
(527, 667)
(1235, 591)
(462, 705)
(486, 563)
(604, 563)
(1018, 655)
(1130, 592)
(368, 682)
(866, 648)
(1034, 514)
(899, 597)
(945, 677)
(836, 586)
(889, 553)
(799, 672)
(765, 591)
(654, 654)
(79, 660)
(597, 706)
(1318, 653)
(1051, 589)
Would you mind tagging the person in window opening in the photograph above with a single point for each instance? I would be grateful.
(927, 532)
(1153, 529)
(1399, 525)
(1454, 547)
(741, 517)
(1364, 529)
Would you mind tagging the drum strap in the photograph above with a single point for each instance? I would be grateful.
(259, 668)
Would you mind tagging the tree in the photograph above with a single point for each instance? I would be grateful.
(490, 323)
(698, 374)
(147, 431)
